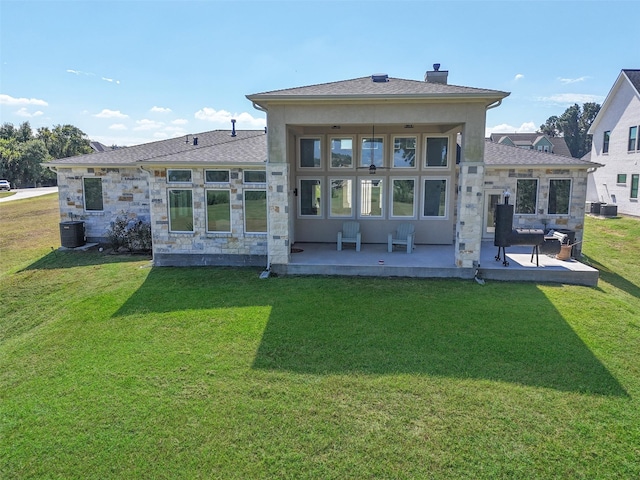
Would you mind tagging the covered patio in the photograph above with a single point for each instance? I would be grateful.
(434, 261)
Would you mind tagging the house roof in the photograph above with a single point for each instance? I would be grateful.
(365, 88)
(630, 76)
(634, 78)
(523, 139)
(500, 155)
(217, 146)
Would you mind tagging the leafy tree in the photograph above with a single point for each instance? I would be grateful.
(64, 141)
(573, 125)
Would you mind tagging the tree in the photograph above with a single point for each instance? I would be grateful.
(64, 141)
(573, 125)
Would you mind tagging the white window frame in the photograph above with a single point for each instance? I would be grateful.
(217, 170)
(320, 180)
(84, 194)
(423, 189)
(570, 196)
(425, 152)
(320, 139)
(206, 203)
(364, 161)
(193, 227)
(415, 197)
(353, 152)
(416, 159)
(353, 196)
(244, 210)
(184, 182)
(254, 183)
(359, 205)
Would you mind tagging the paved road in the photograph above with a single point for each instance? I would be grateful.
(28, 193)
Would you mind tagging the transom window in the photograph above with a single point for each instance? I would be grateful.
(372, 151)
(178, 176)
(310, 152)
(255, 176)
(437, 152)
(559, 196)
(92, 190)
(526, 196)
(434, 198)
(180, 210)
(341, 152)
(216, 176)
(218, 211)
(404, 152)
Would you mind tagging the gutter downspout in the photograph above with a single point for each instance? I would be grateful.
(267, 272)
(495, 104)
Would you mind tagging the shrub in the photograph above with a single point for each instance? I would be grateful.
(130, 233)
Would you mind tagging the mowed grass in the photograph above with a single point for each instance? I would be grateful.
(112, 369)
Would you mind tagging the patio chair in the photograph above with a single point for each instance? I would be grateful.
(350, 234)
(404, 235)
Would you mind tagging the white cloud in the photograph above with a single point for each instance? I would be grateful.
(9, 100)
(160, 110)
(111, 80)
(118, 126)
(518, 76)
(23, 112)
(146, 124)
(106, 113)
(224, 118)
(571, 98)
(527, 127)
(180, 121)
(80, 72)
(568, 81)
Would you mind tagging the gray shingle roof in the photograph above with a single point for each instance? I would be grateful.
(217, 146)
(634, 78)
(559, 143)
(499, 155)
(365, 88)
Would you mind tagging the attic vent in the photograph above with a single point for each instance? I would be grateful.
(379, 78)
(195, 141)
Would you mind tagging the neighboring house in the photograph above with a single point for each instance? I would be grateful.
(533, 141)
(379, 150)
(616, 145)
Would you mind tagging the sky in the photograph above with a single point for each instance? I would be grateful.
(130, 72)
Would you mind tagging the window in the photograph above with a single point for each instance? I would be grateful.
(342, 152)
(526, 196)
(633, 135)
(403, 197)
(255, 176)
(404, 152)
(437, 152)
(622, 178)
(559, 195)
(371, 197)
(372, 152)
(255, 211)
(310, 197)
(180, 211)
(341, 197)
(93, 194)
(218, 211)
(435, 197)
(310, 152)
(216, 176)
(605, 141)
(179, 176)
(634, 185)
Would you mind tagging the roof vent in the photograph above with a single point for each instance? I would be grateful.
(379, 78)
(195, 141)
(233, 127)
(435, 75)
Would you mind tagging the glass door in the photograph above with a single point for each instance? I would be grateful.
(491, 199)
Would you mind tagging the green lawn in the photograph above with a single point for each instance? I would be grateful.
(112, 369)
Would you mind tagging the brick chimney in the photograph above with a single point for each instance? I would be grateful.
(435, 75)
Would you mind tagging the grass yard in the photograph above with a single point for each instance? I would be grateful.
(112, 369)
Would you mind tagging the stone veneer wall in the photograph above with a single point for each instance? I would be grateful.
(123, 190)
(201, 247)
(503, 178)
(468, 239)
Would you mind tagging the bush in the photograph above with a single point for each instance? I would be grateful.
(130, 233)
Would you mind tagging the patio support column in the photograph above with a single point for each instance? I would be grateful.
(278, 247)
(468, 239)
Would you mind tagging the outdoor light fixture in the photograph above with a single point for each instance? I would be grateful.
(372, 169)
(506, 194)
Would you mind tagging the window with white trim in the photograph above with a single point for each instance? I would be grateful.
(403, 197)
(310, 152)
(371, 198)
(216, 176)
(255, 176)
(372, 151)
(179, 176)
(218, 211)
(180, 210)
(341, 197)
(341, 152)
(437, 152)
(633, 138)
(404, 152)
(92, 192)
(526, 196)
(255, 211)
(434, 197)
(559, 196)
(310, 197)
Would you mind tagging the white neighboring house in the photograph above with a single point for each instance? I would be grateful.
(616, 146)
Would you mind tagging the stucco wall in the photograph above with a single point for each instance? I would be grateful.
(123, 190)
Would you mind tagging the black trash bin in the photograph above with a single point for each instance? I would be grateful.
(72, 234)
